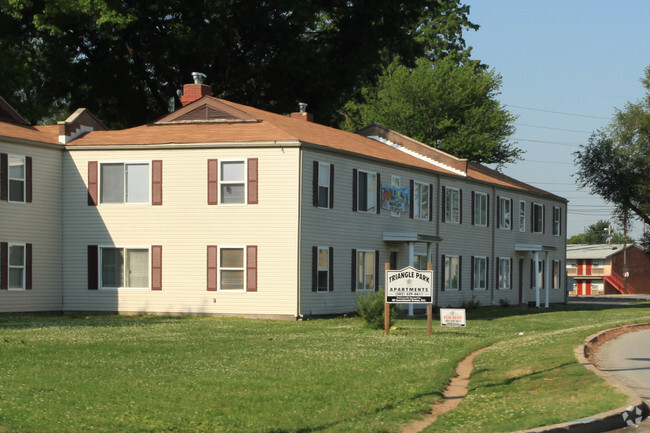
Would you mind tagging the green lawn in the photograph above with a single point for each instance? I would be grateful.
(154, 374)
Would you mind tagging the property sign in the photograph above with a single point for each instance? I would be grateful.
(452, 317)
(409, 286)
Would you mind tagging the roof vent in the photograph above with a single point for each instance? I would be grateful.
(198, 77)
(302, 106)
(302, 113)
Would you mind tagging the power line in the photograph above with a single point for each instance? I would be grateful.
(561, 143)
(558, 112)
(554, 129)
(548, 162)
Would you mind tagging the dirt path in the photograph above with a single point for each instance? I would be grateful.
(453, 395)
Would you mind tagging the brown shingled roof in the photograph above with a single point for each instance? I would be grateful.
(43, 134)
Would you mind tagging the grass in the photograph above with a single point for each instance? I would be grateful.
(154, 374)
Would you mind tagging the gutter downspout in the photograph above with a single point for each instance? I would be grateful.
(299, 235)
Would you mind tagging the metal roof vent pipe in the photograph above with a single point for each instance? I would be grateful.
(302, 113)
(195, 91)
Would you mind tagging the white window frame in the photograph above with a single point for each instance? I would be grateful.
(449, 264)
(539, 206)
(452, 205)
(326, 269)
(557, 224)
(557, 273)
(504, 273)
(394, 183)
(483, 269)
(124, 248)
(505, 218)
(242, 269)
(243, 182)
(324, 171)
(522, 215)
(371, 194)
(422, 205)
(124, 201)
(480, 212)
(23, 268)
(362, 272)
(14, 179)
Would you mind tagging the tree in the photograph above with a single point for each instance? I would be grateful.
(600, 232)
(616, 161)
(126, 60)
(449, 102)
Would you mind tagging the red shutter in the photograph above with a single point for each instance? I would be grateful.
(92, 183)
(212, 267)
(315, 184)
(93, 265)
(251, 268)
(4, 177)
(156, 267)
(354, 189)
(213, 185)
(28, 267)
(156, 182)
(331, 186)
(353, 272)
(28, 179)
(314, 269)
(252, 181)
(331, 269)
(4, 265)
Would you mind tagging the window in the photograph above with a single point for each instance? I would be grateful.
(124, 182)
(452, 205)
(324, 180)
(505, 213)
(322, 269)
(538, 218)
(16, 268)
(451, 271)
(231, 269)
(420, 201)
(480, 206)
(557, 213)
(479, 273)
(505, 273)
(420, 261)
(17, 179)
(557, 266)
(522, 216)
(232, 182)
(366, 192)
(366, 270)
(124, 267)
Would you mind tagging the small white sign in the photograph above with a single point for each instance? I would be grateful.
(452, 317)
(409, 286)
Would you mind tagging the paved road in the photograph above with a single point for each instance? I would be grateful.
(627, 360)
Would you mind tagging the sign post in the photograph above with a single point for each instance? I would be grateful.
(408, 286)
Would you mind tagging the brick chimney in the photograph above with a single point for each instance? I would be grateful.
(197, 90)
(302, 114)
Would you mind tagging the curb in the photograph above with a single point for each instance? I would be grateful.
(633, 413)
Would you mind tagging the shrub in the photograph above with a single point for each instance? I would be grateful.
(370, 306)
(472, 304)
(504, 303)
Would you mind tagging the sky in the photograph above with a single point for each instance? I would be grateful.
(565, 67)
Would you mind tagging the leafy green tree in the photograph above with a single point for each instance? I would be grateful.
(616, 161)
(598, 233)
(126, 60)
(449, 102)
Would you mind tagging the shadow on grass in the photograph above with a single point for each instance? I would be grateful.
(512, 380)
